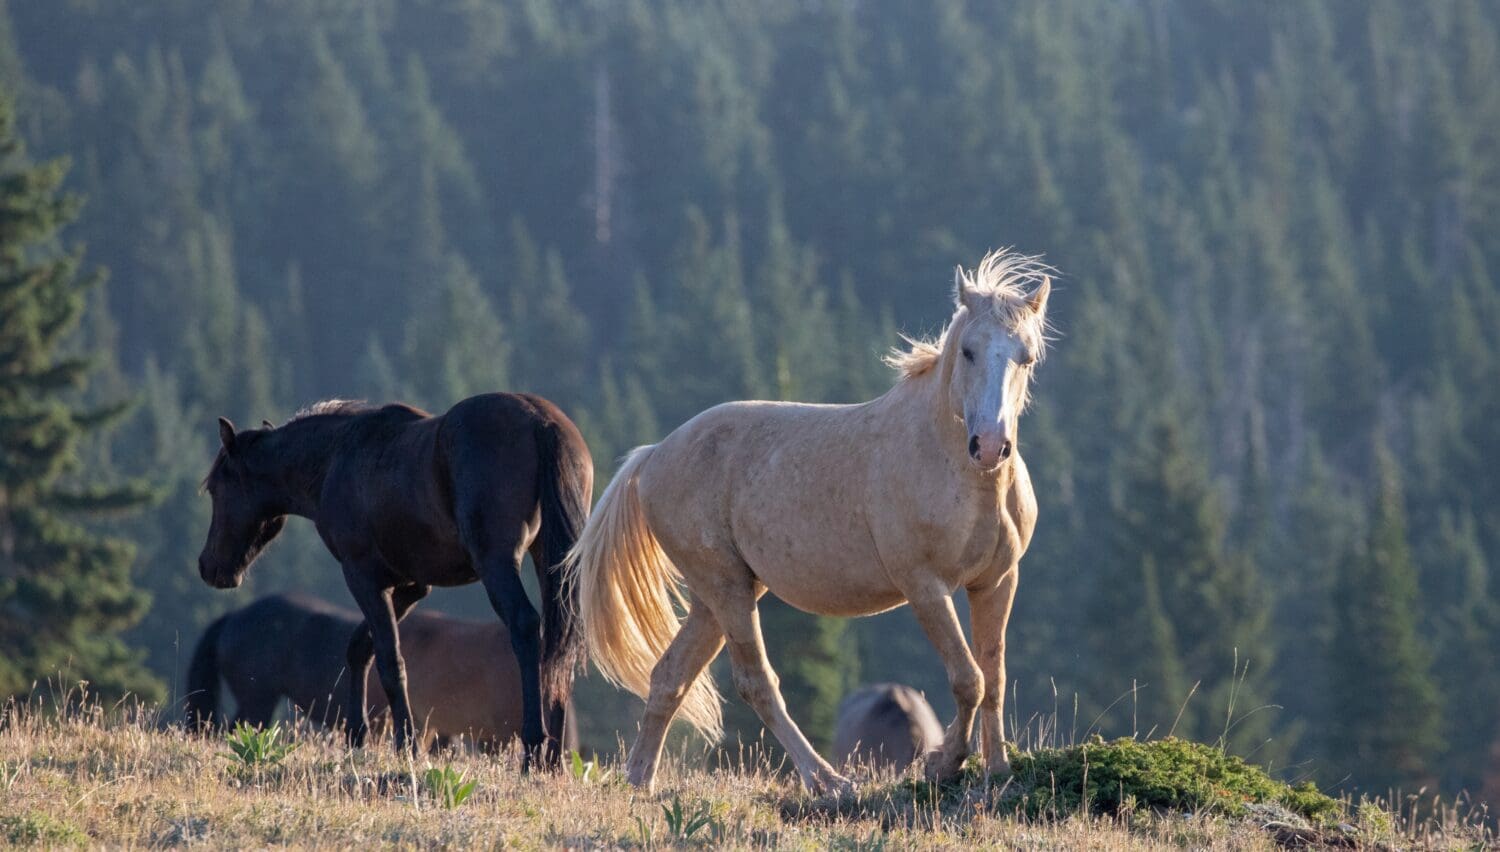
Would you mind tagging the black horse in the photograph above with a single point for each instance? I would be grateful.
(407, 501)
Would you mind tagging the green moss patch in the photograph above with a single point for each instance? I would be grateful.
(1122, 778)
(1170, 774)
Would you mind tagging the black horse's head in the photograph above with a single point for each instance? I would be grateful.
(247, 511)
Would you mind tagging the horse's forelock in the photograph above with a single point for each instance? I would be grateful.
(1009, 280)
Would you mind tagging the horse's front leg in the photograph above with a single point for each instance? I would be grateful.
(989, 613)
(360, 653)
(934, 610)
(383, 609)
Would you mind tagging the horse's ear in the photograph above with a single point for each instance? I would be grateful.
(1038, 299)
(226, 433)
(963, 294)
(268, 424)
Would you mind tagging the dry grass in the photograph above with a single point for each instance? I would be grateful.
(118, 778)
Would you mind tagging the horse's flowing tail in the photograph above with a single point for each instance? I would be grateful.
(202, 709)
(628, 593)
(566, 480)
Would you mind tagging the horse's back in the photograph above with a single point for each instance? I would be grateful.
(503, 434)
(885, 725)
(780, 485)
(513, 412)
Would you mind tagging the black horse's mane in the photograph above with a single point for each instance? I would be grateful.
(334, 406)
(317, 409)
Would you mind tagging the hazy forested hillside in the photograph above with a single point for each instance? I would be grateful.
(1264, 445)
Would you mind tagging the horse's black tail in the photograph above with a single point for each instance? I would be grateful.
(203, 681)
(566, 482)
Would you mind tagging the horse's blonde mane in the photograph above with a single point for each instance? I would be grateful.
(1007, 280)
(919, 356)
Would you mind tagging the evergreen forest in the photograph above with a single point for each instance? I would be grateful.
(1264, 444)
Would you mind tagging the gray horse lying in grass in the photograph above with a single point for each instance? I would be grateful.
(885, 726)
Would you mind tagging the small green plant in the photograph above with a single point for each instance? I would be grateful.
(449, 788)
(8, 775)
(644, 833)
(40, 829)
(683, 824)
(254, 748)
(586, 771)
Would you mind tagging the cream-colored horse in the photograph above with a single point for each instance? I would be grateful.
(837, 510)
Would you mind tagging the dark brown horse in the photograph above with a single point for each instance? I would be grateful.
(407, 501)
(292, 647)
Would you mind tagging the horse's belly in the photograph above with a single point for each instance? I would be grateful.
(827, 576)
(852, 600)
(813, 551)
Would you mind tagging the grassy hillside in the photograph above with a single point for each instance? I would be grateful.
(92, 777)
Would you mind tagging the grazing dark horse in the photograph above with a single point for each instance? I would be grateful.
(885, 725)
(292, 647)
(407, 501)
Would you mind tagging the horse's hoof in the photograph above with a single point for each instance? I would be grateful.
(999, 767)
(832, 784)
(941, 767)
(641, 778)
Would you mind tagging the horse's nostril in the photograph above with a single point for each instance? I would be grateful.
(974, 446)
(1005, 449)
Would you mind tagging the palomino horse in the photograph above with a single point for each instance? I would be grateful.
(885, 725)
(407, 501)
(292, 647)
(837, 510)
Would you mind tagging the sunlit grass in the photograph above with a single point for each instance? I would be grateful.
(119, 776)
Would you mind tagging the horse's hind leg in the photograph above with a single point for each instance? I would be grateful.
(734, 605)
(694, 647)
(500, 570)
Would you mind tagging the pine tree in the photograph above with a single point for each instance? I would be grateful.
(65, 591)
(1462, 621)
(1386, 715)
(1323, 524)
(815, 658)
(549, 329)
(455, 345)
(1170, 543)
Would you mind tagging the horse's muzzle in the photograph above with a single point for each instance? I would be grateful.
(219, 579)
(989, 449)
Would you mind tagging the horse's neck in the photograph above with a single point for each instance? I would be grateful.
(923, 402)
(297, 460)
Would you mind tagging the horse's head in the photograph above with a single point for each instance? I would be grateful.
(246, 514)
(997, 337)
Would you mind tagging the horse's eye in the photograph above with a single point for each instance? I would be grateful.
(1026, 359)
(968, 355)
